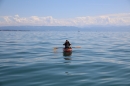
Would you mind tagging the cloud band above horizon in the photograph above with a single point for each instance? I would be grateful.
(122, 19)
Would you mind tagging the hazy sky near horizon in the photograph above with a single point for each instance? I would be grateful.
(64, 12)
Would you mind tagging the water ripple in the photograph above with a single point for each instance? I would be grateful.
(27, 59)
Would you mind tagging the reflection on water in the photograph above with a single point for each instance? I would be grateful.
(67, 57)
(66, 54)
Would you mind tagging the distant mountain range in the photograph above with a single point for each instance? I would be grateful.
(64, 28)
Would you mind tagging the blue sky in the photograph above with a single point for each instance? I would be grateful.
(64, 12)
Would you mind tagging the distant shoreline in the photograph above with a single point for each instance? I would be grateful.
(64, 28)
(14, 30)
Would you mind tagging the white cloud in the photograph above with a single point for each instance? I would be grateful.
(112, 19)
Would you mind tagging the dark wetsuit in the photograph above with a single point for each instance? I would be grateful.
(67, 45)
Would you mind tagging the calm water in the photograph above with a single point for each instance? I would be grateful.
(27, 58)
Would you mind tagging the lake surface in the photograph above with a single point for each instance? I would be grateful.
(27, 58)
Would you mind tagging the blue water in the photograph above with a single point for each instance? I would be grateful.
(27, 58)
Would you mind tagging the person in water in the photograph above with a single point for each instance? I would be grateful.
(67, 44)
